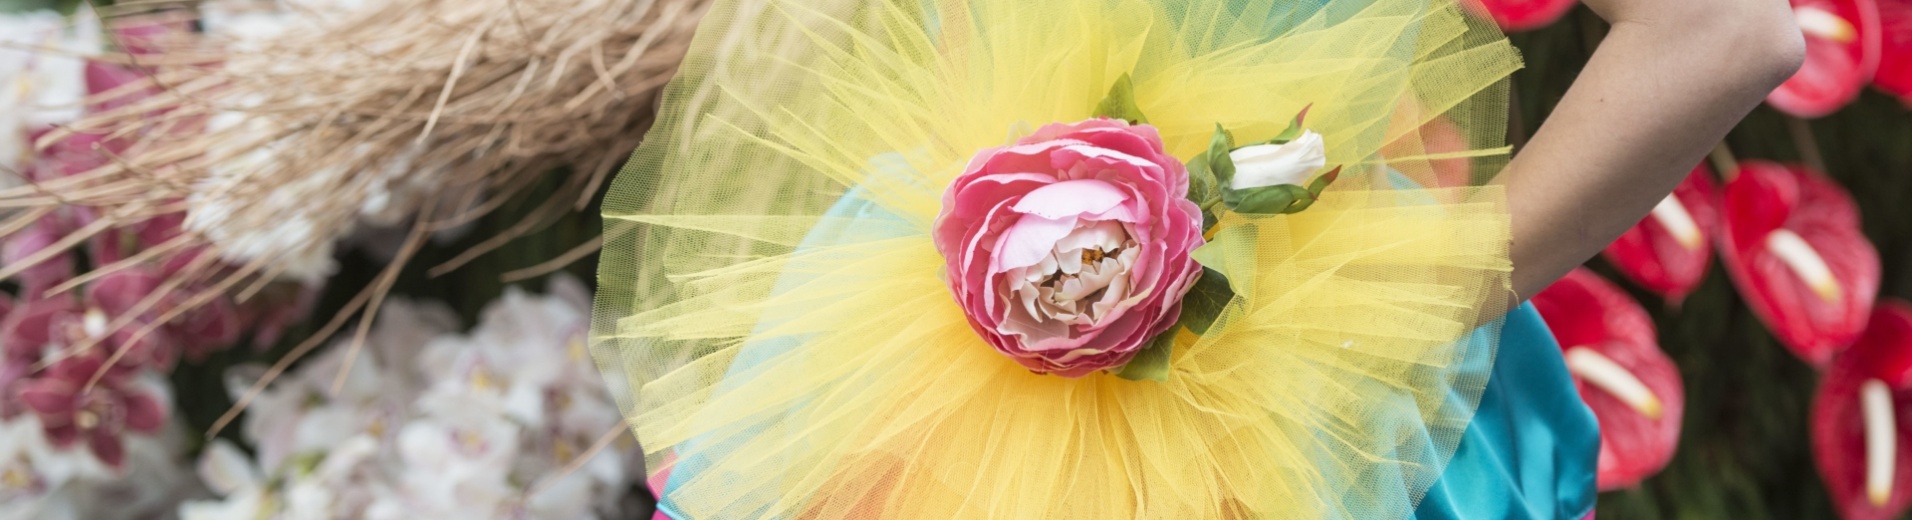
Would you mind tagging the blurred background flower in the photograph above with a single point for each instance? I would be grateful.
(242, 285)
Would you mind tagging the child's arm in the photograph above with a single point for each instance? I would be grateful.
(1664, 86)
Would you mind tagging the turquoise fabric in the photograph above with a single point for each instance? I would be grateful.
(1529, 453)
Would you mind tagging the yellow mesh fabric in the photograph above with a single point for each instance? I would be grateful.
(790, 360)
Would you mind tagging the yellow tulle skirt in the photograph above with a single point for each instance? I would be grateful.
(772, 302)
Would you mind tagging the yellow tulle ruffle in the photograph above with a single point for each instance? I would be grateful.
(770, 293)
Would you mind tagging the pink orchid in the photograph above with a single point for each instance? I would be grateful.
(1860, 438)
(1792, 244)
(70, 413)
(1669, 251)
(205, 328)
(17, 248)
(127, 240)
(1069, 251)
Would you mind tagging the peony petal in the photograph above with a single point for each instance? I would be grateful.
(1072, 198)
(1028, 240)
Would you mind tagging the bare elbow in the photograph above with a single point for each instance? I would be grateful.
(1770, 45)
(1756, 43)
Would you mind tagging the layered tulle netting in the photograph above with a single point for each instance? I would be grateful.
(770, 287)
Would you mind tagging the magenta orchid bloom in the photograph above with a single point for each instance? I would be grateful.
(1520, 15)
(127, 240)
(1791, 242)
(1614, 355)
(1861, 439)
(1669, 251)
(1069, 251)
(70, 413)
(206, 328)
(17, 248)
(1842, 54)
(147, 35)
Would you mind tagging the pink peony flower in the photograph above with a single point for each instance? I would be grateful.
(1069, 251)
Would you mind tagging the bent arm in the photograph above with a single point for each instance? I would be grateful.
(1667, 83)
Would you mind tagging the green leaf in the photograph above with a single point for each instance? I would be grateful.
(1120, 103)
(1201, 181)
(1200, 308)
(1220, 165)
(1265, 200)
(1203, 190)
(1151, 364)
(1294, 129)
(1205, 301)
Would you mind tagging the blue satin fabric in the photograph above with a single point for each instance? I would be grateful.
(1529, 453)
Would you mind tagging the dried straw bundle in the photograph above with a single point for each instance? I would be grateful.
(446, 105)
(435, 109)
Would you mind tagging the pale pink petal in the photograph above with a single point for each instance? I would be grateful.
(1028, 240)
(1073, 198)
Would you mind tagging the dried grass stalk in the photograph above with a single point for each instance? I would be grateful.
(436, 111)
(281, 148)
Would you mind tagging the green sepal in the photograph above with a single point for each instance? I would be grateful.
(1315, 188)
(1205, 301)
(1294, 129)
(1266, 200)
(1216, 159)
(1151, 364)
(1120, 103)
(1321, 183)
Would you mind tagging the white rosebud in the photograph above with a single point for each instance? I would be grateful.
(1271, 164)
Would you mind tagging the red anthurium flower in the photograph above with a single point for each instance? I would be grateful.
(1862, 419)
(1842, 53)
(1895, 48)
(71, 413)
(1792, 244)
(1668, 251)
(1614, 356)
(1520, 15)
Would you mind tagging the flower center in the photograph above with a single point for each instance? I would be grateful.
(470, 444)
(15, 478)
(1081, 279)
